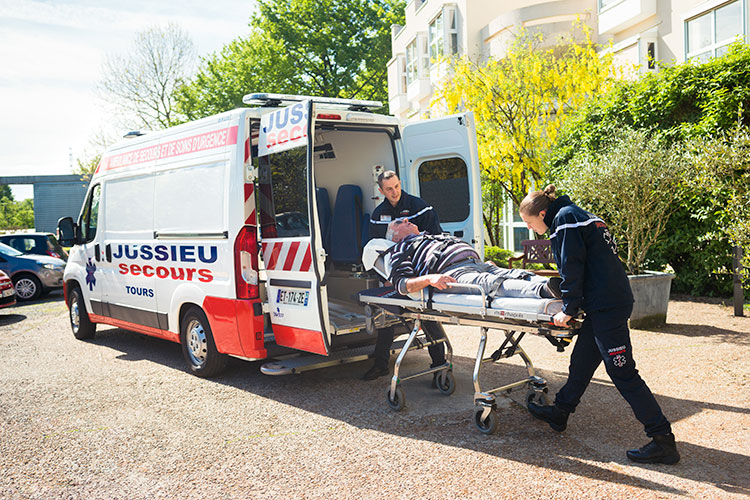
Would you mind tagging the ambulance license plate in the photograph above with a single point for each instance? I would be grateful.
(291, 297)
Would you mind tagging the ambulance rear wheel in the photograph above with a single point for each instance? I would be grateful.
(80, 323)
(198, 347)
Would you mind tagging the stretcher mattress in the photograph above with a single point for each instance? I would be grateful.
(500, 308)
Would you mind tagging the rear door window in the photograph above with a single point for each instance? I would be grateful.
(444, 184)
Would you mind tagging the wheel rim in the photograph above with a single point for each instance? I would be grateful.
(197, 342)
(75, 315)
(25, 288)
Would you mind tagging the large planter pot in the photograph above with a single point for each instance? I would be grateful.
(651, 294)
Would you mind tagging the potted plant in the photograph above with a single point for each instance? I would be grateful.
(629, 183)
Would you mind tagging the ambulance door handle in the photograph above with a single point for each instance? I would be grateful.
(97, 252)
(108, 251)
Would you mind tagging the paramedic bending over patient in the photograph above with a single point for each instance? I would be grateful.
(593, 279)
(399, 204)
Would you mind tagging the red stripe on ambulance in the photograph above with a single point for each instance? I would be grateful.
(187, 145)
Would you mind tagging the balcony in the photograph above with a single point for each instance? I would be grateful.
(397, 104)
(619, 16)
(419, 89)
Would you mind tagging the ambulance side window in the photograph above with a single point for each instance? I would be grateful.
(90, 215)
(444, 184)
(283, 194)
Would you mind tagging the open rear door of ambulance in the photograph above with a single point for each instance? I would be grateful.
(290, 232)
(441, 166)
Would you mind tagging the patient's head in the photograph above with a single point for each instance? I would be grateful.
(400, 229)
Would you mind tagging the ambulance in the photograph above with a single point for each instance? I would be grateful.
(240, 235)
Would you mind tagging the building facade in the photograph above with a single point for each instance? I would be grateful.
(642, 33)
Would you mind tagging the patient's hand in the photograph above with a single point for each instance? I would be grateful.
(440, 281)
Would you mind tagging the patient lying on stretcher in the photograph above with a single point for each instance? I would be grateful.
(412, 261)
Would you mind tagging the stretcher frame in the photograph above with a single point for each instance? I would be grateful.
(514, 324)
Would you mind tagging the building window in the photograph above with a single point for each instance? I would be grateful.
(402, 74)
(452, 31)
(436, 38)
(710, 34)
(424, 52)
(444, 184)
(605, 4)
(412, 68)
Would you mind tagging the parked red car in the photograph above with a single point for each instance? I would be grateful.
(7, 291)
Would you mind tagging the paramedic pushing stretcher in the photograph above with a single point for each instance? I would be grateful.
(594, 280)
(401, 205)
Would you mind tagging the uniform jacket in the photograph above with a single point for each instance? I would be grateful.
(586, 256)
(408, 207)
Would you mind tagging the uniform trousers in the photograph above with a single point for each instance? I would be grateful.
(605, 336)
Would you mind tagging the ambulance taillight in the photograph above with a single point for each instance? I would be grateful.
(246, 263)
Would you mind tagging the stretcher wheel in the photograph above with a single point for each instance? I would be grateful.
(448, 384)
(538, 397)
(488, 425)
(399, 399)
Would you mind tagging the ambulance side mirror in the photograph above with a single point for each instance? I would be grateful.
(66, 230)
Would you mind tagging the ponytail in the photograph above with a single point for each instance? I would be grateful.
(538, 201)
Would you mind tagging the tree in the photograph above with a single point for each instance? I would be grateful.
(521, 101)
(256, 63)
(333, 48)
(141, 85)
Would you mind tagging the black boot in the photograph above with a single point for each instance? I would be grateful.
(661, 450)
(376, 372)
(553, 415)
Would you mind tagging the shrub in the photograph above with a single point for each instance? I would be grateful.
(497, 255)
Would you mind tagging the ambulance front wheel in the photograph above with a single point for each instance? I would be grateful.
(198, 345)
(80, 323)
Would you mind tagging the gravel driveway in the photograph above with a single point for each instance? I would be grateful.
(119, 417)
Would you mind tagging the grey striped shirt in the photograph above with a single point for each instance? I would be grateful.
(424, 254)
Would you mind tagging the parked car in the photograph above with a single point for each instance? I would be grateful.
(36, 243)
(7, 292)
(32, 275)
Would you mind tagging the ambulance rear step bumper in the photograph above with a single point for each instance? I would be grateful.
(308, 362)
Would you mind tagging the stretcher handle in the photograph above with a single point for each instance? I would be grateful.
(470, 286)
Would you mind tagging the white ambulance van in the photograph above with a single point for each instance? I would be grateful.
(241, 234)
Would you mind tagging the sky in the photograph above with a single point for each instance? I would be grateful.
(51, 54)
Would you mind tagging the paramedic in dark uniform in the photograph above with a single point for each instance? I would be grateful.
(401, 205)
(593, 280)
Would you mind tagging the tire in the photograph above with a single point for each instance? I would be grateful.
(198, 347)
(399, 399)
(28, 287)
(80, 323)
(449, 386)
(490, 424)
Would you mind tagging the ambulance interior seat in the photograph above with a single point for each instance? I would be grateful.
(346, 226)
(324, 214)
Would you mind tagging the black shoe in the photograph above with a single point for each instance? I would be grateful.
(375, 372)
(552, 287)
(661, 450)
(554, 416)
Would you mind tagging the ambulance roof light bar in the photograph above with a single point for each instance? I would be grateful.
(263, 99)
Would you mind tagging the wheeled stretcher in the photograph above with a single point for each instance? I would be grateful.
(514, 316)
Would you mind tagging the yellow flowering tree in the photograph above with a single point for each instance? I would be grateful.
(520, 102)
